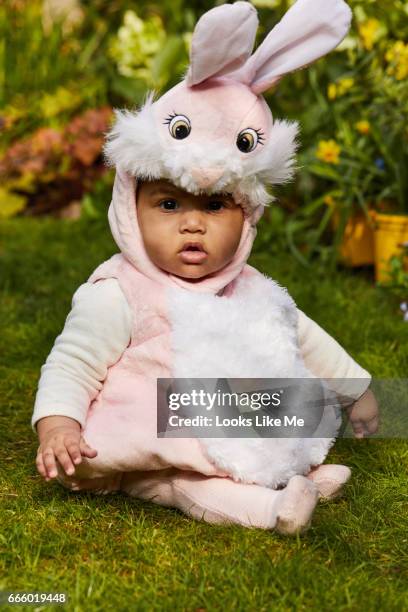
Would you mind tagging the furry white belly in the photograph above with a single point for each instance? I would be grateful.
(250, 334)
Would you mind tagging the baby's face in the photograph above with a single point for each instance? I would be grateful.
(170, 218)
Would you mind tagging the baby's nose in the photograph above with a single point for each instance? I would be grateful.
(193, 221)
(205, 177)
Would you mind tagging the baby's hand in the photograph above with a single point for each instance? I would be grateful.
(60, 440)
(364, 415)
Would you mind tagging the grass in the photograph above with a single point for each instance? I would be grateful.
(114, 552)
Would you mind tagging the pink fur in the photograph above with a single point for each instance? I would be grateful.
(220, 98)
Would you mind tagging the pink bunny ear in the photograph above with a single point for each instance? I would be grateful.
(223, 40)
(309, 30)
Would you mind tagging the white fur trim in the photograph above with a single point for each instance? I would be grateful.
(133, 144)
(250, 334)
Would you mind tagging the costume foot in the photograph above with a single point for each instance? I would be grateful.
(295, 511)
(330, 479)
(99, 485)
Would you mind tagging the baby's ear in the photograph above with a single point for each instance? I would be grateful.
(309, 30)
(222, 41)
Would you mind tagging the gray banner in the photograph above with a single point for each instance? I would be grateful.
(275, 408)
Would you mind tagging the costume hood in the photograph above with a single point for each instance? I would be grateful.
(214, 132)
(126, 232)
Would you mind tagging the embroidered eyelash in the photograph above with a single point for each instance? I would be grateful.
(169, 118)
(261, 135)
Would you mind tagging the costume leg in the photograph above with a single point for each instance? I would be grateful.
(329, 479)
(223, 501)
(100, 485)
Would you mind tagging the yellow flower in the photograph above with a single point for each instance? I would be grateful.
(332, 91)
(328, 151)
(363, 126)
(335, 90)
(402, 71)
(369, 31)
(329, 200)
(393, 53)
(397, 56)
(344, 85)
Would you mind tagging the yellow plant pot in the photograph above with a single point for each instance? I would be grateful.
(390, 232)
(357, 247)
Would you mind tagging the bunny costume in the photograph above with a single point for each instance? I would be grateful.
(211, 133)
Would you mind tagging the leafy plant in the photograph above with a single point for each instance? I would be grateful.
(61, 58)
(54, 166)
(398, 274)
(354, 137)
(45, 73)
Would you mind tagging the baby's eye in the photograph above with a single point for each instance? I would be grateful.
(168, 204)
(215, 205)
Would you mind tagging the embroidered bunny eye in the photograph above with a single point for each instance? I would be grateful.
(248, 139)
(179, 126)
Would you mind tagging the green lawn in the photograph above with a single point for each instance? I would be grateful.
(114, 552)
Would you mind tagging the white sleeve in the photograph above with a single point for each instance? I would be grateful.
(96, 333)
(325, 358)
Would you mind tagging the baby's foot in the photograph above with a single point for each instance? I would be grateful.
(294, 512)
(329, 479)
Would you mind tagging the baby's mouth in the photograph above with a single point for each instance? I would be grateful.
(193, 252)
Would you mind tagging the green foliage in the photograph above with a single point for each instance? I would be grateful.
(353, 109)
(59, 60)
(398, 274)
(96, 201)
(271, 237)
(10, 203)
(144, 52)
(45, 72)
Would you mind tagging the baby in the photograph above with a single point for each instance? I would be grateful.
(179, 299)
(97, 333)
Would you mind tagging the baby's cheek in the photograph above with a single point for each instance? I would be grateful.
(156, 238)
(160, 252)
(166, 254)
(228, 244)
